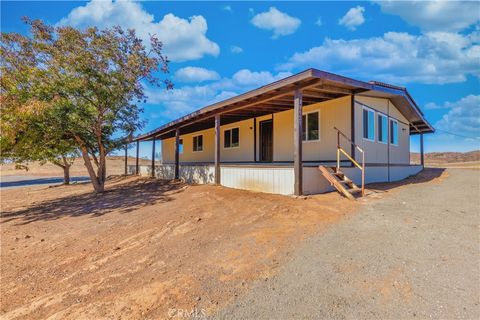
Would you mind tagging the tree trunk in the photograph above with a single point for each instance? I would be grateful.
(97, 186)
(66, 175)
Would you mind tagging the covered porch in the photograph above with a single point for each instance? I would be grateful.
(259, 169)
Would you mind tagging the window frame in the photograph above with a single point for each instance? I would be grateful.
(390, 132)
(384, 116)
(231, 129)
(363, 123)
(193, 143)
(305, 125)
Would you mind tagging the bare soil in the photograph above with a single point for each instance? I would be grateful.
(146, 247)
(413, 253)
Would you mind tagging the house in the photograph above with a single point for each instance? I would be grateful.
(299, 135)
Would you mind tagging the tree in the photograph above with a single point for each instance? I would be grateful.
(31, 136)
(32, 129)
(93, 79)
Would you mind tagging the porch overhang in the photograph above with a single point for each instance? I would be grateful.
(316, 86)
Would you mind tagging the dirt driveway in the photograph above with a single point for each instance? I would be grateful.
(412, 254)
(146, 249)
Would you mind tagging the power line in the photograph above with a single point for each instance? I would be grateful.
(458, 135)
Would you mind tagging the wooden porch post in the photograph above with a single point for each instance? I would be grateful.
(255, 139)
(217, 149)
(297, 143)
(136, 160)
(177, 155)
(153, 158)
(126, 159)
(352, 106)
(422, 156)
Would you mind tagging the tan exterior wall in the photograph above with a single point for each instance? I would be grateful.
(332, 113)
(375, 151)
(244, 152)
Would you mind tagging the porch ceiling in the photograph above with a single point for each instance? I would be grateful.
(317, 86)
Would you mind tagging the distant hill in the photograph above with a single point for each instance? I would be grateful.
(115, 165)
(446, 157)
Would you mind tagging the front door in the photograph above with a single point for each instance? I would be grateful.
(266, 141)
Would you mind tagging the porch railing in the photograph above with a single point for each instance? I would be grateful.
(341, 150)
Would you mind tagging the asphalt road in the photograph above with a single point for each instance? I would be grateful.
(14, 181)
(414, 254)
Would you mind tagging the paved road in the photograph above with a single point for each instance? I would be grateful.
(411, 255)
(14, 181)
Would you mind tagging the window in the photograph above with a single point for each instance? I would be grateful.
(311, 126)
(394, 132)
(231, 138)
(368, 124)
(180, 146)
(198, 143)
(382, 128)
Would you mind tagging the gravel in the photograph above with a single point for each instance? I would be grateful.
(413, 254)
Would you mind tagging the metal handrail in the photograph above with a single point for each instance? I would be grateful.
(340, 149)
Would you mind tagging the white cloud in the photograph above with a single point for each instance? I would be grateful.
(236, 49)
(183, 39)
(247, 78)
(183, 100)
(353, 18)
(280, 23)
(435, 58)
(227, 8)
(195, 74)
(435, 15)
(463, 118)
(319, 21)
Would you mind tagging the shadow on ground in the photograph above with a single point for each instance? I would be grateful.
(124, 198)
(426, 175)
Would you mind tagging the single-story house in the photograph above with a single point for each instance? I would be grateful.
(293, 135)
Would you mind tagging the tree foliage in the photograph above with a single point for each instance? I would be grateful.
(86, 84)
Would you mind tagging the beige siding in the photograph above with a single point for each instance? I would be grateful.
(332, 113)
(188, 155)
(377, 152)
(244, 152)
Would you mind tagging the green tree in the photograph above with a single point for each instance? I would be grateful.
(31, 136)
(93, 79)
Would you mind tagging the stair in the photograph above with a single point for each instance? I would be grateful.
(340, 181)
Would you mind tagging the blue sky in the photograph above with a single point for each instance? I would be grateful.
(220, 49)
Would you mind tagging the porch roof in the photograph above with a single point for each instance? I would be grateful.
(316, 85)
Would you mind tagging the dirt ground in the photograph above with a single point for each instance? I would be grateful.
(146, 247)
(413, 253)
(155, 249)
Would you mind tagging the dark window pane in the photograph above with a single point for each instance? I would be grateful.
(200, 143)
(313, 126)
(379, 125)
(235, 137)
(195, 144)
(365, 124)
(226, 139)
(304, 128)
